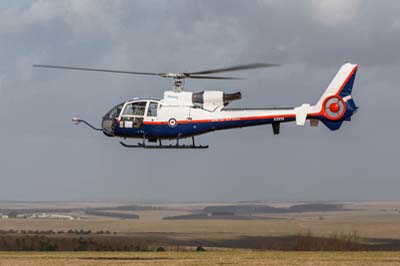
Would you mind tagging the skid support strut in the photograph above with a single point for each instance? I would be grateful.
(160, 146)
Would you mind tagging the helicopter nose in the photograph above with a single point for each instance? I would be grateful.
(107, 125)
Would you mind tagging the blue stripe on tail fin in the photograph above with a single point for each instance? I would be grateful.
(348, 87)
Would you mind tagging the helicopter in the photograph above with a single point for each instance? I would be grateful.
(182, 114)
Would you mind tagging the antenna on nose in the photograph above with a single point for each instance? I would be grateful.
(77, 120)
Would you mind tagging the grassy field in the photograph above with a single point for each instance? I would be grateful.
(223, 239)
(369, 222)
(235, 257)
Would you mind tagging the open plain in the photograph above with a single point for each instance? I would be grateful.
(234, 257)
(362, 233)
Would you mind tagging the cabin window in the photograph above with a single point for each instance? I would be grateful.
(152, 110)
(136, 108)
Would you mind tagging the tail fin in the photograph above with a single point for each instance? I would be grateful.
(336, 104)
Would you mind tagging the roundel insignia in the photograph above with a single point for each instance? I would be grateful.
(334, 107)
(172, 122)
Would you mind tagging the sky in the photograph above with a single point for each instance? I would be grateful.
(43, 156)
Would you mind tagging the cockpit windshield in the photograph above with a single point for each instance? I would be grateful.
(114, 112)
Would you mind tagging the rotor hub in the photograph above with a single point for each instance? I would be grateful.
(173, 75)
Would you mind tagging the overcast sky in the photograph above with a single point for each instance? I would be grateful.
(43, 156)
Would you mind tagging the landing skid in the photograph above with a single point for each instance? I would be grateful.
(160, 146)
(163, 146)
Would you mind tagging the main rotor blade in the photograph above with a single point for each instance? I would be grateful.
(233, 68)
(209, 77)
(98, 70)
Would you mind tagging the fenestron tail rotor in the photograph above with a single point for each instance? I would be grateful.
(178, 77)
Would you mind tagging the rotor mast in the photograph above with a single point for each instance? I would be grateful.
(178, 84)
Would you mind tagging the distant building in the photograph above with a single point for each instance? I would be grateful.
(40, 215)
(51, 216)
(59, 216)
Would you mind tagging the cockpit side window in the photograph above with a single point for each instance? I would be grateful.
(135, 109)
(152, 110)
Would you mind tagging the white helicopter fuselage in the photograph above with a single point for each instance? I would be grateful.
(183, 114)
(176, 115)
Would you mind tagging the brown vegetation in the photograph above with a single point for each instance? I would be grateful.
(97, 241)
(228, 257)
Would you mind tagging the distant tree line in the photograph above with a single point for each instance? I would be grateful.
(51, 232)
(82, 243)
(112, 214)
(92, 242)
(12, 213)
